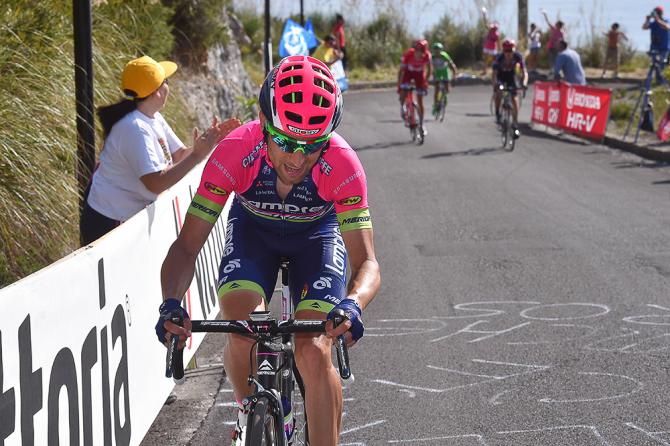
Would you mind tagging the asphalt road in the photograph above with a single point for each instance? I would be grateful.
(524, 297)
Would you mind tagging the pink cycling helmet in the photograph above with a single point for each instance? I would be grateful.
(301, 98)
(508, 44)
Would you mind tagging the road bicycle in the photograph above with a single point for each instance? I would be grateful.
(410, 112)
(507, 136)
(277, 382)
(441, 105)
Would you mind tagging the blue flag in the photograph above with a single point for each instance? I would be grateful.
(294, 40)
(312, 40)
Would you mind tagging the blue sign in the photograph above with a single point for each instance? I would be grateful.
(312, 40)
(296, 40)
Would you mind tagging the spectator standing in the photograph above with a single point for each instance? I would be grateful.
(327, 52)
(491, 42)
(534, 45)
(614, 37)
(338, 32)
(556, 35)
(141, 155)
(570, 63)
(659, 28)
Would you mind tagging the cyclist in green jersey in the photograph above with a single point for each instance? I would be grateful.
(444, 69)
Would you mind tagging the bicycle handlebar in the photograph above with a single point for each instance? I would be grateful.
(174, 358)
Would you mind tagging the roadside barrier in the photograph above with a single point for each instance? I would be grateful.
(573, 108)
(79, 358)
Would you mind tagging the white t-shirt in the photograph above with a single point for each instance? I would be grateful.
(137, 145)
(535, 41)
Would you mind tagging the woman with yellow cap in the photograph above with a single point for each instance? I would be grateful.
(141, 156)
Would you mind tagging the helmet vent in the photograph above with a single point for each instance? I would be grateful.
(290, 81)
(320, 70)
(323, 84)
(294, 117)
(292, 67)
(320, 101)
(293, 98)
(315, 120)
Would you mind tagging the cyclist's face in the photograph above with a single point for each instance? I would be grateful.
(291, 168)
(508, 54)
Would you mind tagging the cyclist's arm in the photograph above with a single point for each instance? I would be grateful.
(179, 264)
(401, 71)
(365, 277)
(524, 72)
(453, 67)
(221, 176)
(525, 77)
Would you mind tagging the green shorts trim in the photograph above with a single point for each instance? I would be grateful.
(314, 305)
(236, 285)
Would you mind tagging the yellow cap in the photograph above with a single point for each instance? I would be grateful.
(143, 76)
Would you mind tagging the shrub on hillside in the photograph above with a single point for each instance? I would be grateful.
(38, 188)
(379, 43)
(197, 25)
(462, 42)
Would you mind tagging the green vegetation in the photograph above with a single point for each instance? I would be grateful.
(462, 42)
(38, 190)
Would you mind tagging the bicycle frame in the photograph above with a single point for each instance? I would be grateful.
(441, 100)
(411, 110)
(410, 118)
(275, 371)
(507, 107)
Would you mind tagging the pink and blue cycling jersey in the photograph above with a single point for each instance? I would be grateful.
(240, 164)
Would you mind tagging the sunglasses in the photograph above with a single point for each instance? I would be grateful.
(290, 145)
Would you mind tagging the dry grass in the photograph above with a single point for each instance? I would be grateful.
(38, 189)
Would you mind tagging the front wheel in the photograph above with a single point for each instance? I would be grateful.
(443, 106)
(264, 426)
(508, 138)
(418, 136)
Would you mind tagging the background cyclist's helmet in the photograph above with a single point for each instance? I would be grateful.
(421, 45)
(301, 98)
(436, 47)
(508, 44)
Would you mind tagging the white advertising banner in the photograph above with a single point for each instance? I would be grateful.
(79, 358)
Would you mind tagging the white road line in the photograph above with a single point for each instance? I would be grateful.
(365, 426)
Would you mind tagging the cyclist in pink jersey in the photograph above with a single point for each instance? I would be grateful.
(300, 192)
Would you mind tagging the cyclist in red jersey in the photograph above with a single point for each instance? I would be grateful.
(415, 66)
(300, 192)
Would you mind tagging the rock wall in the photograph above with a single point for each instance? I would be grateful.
(219, 84)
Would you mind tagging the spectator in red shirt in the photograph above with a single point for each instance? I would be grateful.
(415, 66)
(338, 32)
